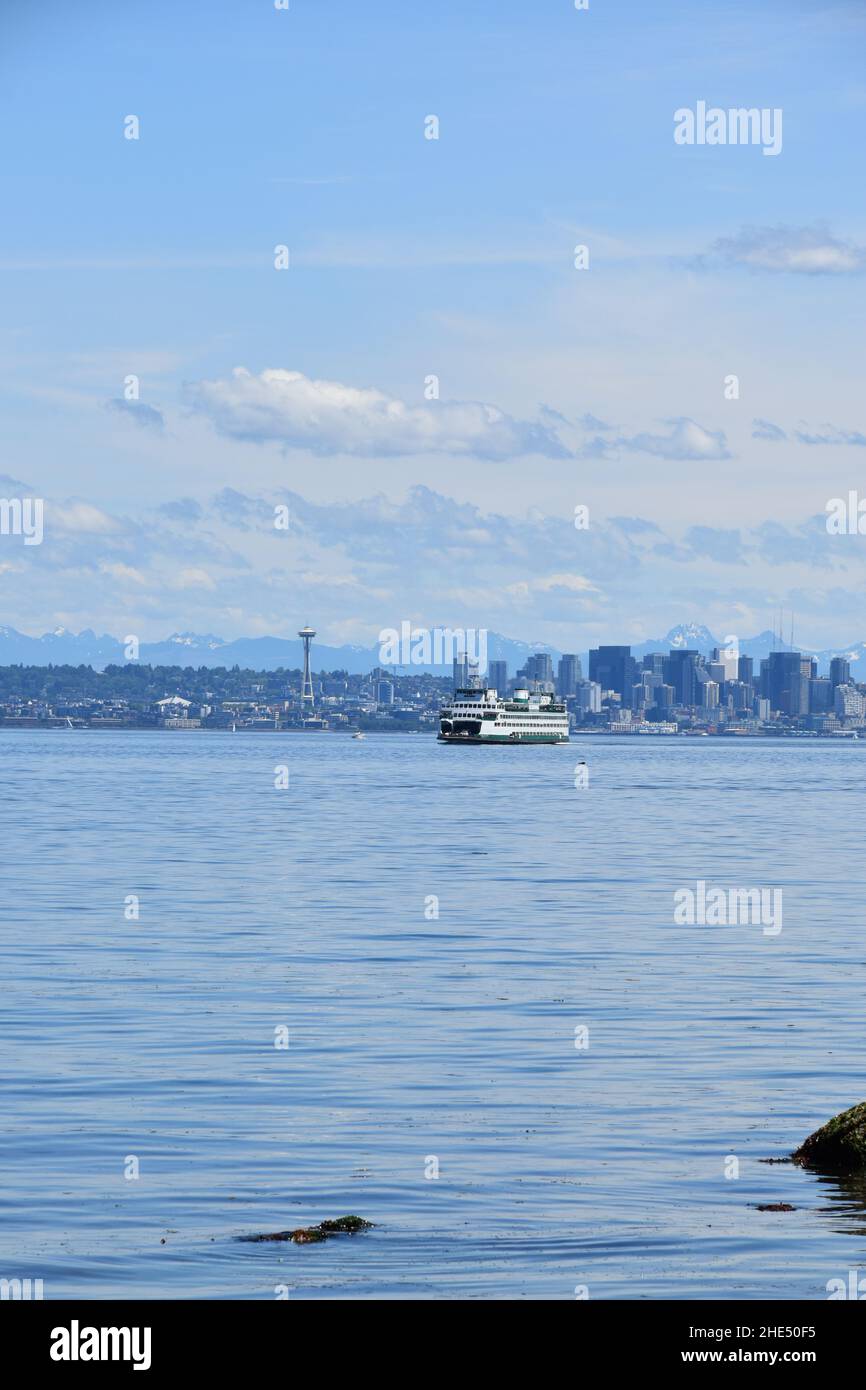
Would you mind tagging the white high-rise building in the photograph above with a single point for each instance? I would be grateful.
(589, 696)
(848, 702)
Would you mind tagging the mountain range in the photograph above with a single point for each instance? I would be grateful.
(65, 648)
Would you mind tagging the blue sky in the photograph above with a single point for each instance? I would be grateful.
(412, 257)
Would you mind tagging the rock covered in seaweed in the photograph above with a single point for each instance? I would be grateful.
(839, 1145)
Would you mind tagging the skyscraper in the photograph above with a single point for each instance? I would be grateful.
(539, 667)
(306, 635)
(537, 671)
(614, 669)
(728, 659)
(497, 676)
(785, 682)
(681, 672)
(710, 694)
(568, 674)
(820, 695)
(589, 697)
(840, 671)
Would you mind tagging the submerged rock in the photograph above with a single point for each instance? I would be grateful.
(839, 1145)
(311, 1235)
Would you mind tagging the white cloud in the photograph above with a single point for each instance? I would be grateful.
(765, 429)
(195, 579)
(546, 584)
(124, 573)
(798, 250)
(686, 440)
(830, 434)
(328, 417)
(82, 517)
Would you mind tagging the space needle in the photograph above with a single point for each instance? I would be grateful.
(306, 635)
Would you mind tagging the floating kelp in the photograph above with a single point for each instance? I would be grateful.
(312, 1235)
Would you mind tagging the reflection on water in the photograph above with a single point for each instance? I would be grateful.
(842, 1199)
(416, 1035)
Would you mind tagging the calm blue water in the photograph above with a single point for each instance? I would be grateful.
(413, 1038)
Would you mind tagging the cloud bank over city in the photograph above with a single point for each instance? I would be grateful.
(226, 565)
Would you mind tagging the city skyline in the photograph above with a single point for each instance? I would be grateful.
(679, 691)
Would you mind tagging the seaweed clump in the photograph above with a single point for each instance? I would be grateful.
(312, 1235)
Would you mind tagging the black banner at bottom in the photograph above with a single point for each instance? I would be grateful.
(159, 1338)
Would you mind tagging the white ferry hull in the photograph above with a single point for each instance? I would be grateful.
(511, 739)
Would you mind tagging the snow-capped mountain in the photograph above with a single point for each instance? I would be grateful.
(64, 648)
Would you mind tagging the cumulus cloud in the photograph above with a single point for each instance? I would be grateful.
(686, 439)
(765, 429)
(147, 416)
(328, 418)
(797, 250)
(84, 518)
(195, 579)
(546, 584)
(125, 574)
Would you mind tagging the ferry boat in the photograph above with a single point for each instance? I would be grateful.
(481, 716)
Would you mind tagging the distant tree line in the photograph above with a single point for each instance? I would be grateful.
(142, 685)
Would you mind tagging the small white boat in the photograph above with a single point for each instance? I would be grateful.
(359, 735)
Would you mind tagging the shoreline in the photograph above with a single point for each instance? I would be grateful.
(787, 736)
